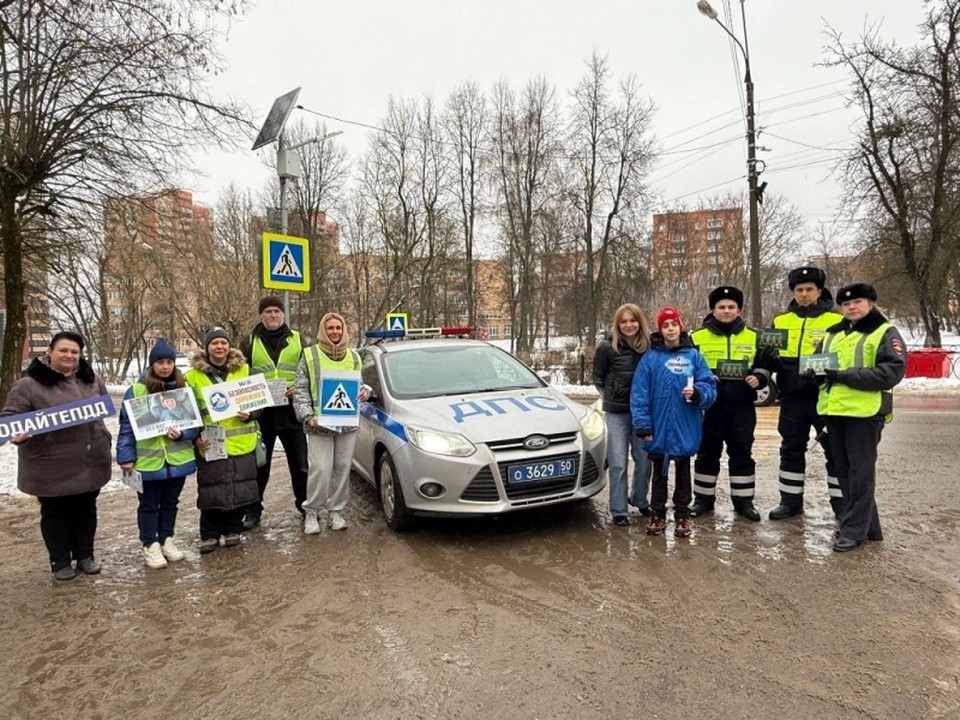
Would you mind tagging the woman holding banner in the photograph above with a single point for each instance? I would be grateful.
(164, 461)
(226, 463)
(63, 468)
(329, 446)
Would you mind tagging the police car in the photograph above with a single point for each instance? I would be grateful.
(458, 427)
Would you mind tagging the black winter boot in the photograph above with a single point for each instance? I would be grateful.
(702, 504)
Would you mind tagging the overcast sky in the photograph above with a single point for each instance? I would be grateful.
(350, 56)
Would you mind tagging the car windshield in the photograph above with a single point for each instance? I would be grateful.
(454, 370)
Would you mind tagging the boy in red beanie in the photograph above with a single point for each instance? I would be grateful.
(672, 386)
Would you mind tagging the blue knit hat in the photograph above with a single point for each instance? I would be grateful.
(162, 350)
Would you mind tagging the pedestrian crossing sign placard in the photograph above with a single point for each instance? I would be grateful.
(397, 321)
(286, 262)
(339, 404)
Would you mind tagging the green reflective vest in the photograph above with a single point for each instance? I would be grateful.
(854, 350)
(154, 452)
(714, 348)
(241, 436)
(804, 332)
(318, 361)
(286, 365)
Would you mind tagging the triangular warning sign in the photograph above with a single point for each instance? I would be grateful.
(397, 324)
(339, 400)
(286, 265)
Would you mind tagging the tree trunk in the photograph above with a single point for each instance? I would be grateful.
(15, 332)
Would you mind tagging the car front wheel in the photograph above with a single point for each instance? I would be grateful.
(395, 511)
(767, 396)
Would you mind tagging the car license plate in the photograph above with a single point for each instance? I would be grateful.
(532, 472)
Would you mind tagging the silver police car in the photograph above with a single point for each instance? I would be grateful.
(458, 427)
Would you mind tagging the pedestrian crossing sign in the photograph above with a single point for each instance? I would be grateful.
(286, 262)
(339, 404)
(397, 321)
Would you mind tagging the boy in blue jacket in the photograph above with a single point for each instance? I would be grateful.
(672, 387)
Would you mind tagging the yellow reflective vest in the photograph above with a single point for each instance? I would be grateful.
(153, 453)
(714, 348)
(804, 333)
(854, 350)
(318, 361)
(286, 365)
(241, 436)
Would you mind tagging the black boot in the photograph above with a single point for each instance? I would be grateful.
(788, 507)
(748, 511)
(702, 504)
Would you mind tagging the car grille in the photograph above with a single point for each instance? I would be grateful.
(517, 443)
(483, 487)
(590, 472)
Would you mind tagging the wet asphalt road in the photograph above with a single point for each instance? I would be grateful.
(552, 613)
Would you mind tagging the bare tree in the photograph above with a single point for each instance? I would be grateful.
(467, 127)
(907, 161)
(525, 136)
(612, 150)
(96, 97)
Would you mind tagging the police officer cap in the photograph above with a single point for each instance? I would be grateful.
(807, 274)
(856, 290)
(726, 292)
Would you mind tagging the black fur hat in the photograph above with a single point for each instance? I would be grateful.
(856, 290)
(805, 274)
(725, 292)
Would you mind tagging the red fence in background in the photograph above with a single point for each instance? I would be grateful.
(930, 363)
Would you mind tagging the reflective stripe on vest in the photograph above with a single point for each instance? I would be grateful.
(241, 436)
(804, 332)
(316, 361)
(286, 365)
(714, 348)
(153, 453)
(854, 350)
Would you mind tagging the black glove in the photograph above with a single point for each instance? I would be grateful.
(833, 376)
(809, 374)
(642, 432)
(695, 398)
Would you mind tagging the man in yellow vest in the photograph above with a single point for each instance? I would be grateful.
(806, 320)
(857, 401)
(275, 350)
(730, 349)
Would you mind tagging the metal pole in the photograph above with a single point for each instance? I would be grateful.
(283, 216)
(756, 300)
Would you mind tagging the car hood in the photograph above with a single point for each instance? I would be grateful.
(492, 416)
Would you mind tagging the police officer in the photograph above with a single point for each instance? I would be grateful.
(857, 402)
(808, 316)
(275, 350)
(730, 348)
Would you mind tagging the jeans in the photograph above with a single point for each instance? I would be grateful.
(157, 513)
(619, 438)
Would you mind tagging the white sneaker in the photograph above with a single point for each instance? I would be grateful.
(337, 522)
(311, 524)
(153, 557)
(170, 551)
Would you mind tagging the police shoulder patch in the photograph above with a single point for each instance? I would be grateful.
(897, 346)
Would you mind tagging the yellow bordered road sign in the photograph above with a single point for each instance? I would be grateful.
(286, 262)
(397, 321)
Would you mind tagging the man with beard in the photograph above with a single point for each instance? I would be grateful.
(275, 350)
(806, 321)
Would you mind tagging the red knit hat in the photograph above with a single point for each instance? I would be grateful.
(668, 313)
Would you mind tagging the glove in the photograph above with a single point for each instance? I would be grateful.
(642, 432)
(833, 376)
(809, 374)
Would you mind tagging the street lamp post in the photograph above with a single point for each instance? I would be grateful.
(756, 304)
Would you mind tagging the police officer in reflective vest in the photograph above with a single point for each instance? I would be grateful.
(857, 401)
(275, 350)
(807, 318)
(730, 348)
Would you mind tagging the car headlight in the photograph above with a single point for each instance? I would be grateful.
(592, 424)
(440, 443)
